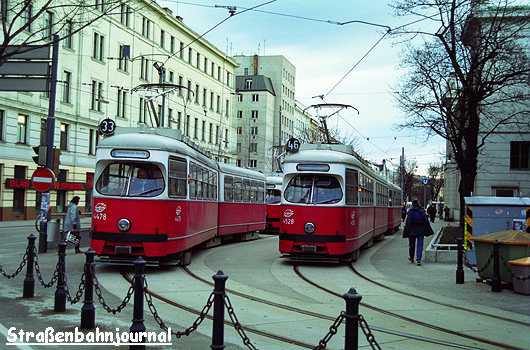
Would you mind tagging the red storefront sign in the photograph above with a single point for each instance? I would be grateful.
(61, 186)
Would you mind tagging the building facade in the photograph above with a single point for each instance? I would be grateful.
(98, 69)
(254, 122)
(267, 86)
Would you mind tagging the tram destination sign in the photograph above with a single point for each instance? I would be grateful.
(292, 145)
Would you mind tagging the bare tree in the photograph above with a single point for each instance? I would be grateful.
(35, 22)
(468, 79)
(436, 179)
(409, 177)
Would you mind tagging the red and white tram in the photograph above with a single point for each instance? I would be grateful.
(332, 203)
(157, 197)
(273, 198)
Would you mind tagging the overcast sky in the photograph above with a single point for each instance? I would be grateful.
(322, 54)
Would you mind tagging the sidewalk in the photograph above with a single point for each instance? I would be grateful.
(390, 258)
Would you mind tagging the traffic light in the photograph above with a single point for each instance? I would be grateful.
(56, 160)
(40, 157)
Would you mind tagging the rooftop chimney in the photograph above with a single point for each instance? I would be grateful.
(179, 18)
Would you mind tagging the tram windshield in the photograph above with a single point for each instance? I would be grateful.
(273, 196)
(131, 180)
(313, 189)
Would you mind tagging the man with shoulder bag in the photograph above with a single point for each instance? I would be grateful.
(417, 227)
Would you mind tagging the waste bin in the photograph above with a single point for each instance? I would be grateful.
(53, 232)
(521, 275)
(512, 245)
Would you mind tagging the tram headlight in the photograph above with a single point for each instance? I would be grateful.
(309, 227)
(124, 225)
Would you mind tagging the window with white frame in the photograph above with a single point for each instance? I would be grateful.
(98, 47)
(248, 84)
(255, 97)
(254, 114)
(146, 27)
(22, 128)
(64, 136)
(125, 14)
(240, 97)
(144, 68)
(121, 103)
(123, 60)
(162, 38)
(67, 86)
(240, 114)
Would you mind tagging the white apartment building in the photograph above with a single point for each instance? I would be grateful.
(96, 82)
(282, 73)
(504, 161)
(254, 122)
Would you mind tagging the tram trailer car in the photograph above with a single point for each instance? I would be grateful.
(332, 203)
(394, 209)
(273, 198)
(158, 197)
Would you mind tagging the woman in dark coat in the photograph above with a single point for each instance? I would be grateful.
(417, 226)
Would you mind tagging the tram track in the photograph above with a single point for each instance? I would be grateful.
(419, 297)
(277, 337)
(286, 307)
(408, 319)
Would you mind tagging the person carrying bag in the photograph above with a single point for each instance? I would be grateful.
(417, 226)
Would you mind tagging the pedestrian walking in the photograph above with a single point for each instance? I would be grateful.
(431, 210)
(403, 212)
(417, 226)
(72, 222)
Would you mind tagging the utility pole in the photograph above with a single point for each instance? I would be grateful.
(50, 130)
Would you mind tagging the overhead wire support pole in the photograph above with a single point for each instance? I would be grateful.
(50, 128)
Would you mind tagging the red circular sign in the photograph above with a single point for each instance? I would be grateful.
(42, 179)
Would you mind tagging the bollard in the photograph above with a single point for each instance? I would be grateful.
(496, 280)
(29, 282)
(60, 292)
(43, 237)
(352, 299)
(138, 313)
(218, 311)
(460, 261)
(88, 311)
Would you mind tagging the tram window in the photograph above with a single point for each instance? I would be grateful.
(146, 181)
(299, 189)
(237, 189)
(351, 187)
(193, 181)
(200, 183)
(253, 191)
(177, 177)
(273, 196)
(228, 189)
(246, 190)
(327, 190)
(261, 192)
(113, 181)
(213, 183)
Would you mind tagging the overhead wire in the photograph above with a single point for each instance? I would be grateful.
(215, 26)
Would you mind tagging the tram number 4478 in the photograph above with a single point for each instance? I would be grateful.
(288, 221)
(100, 216)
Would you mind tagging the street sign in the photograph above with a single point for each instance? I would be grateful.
(25, 84)
(42, 179)
(292, 145)
(24, 68)
(424, 180)
(107, 127)
(45, 201)
(28, 52)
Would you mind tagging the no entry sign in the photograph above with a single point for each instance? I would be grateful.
(42, 179)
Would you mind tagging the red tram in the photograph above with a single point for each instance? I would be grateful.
(332, 204)
(273, 200)
(157, 197)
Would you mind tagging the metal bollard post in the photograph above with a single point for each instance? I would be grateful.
(460, 261)
(496, 280)
(60, 292)
(43, 237)
(138, 313)
(218, 311)
(88, 311)
(351, 340)
(29, 282)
